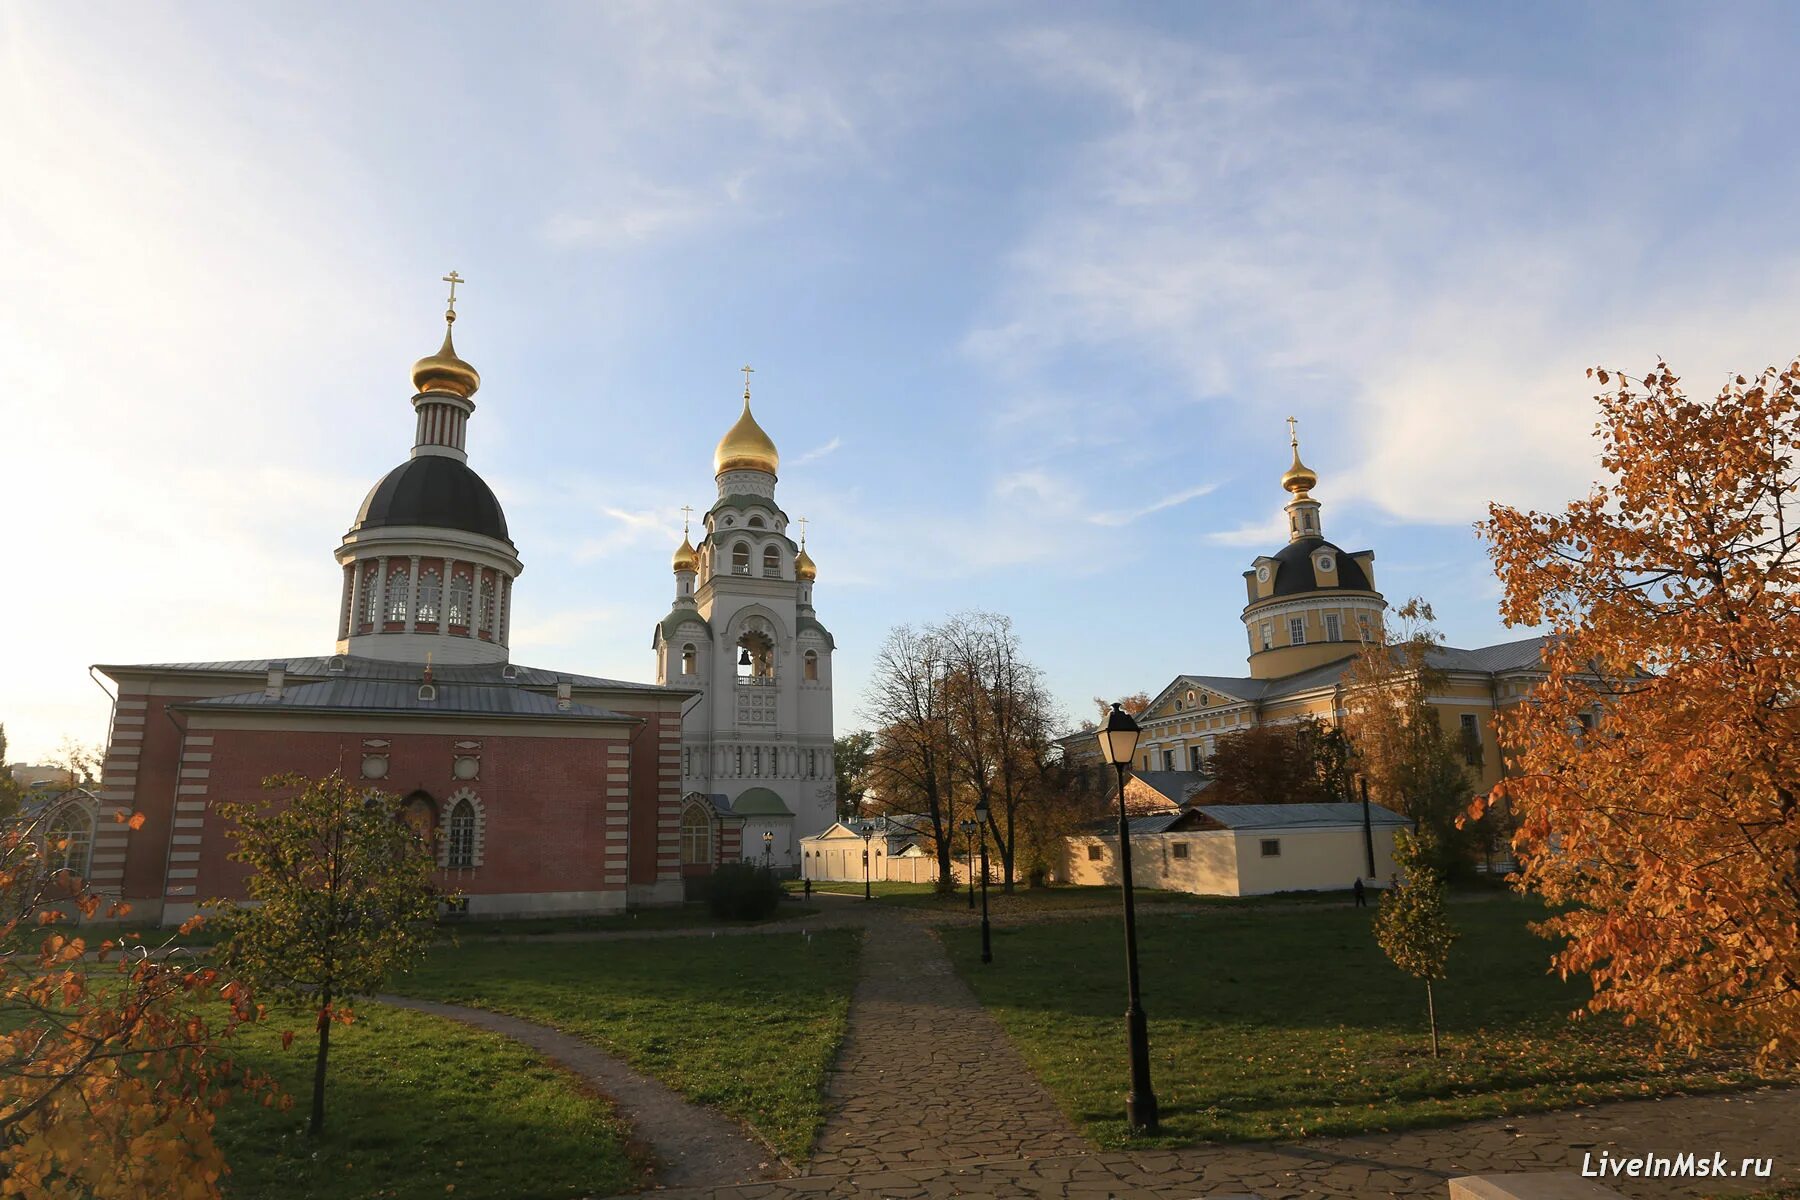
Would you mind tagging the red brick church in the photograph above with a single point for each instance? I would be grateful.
(548, 791)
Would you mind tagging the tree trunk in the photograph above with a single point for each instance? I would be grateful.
(317, 1126)
(1430, 1013)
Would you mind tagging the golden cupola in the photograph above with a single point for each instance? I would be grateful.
(1299, 478)
(686, 557)
(804, 568)
(745, 447)
(444, 371)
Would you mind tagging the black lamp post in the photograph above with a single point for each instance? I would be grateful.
(1118, 742)
(867, 833)
(968, 828)
(981, 821)
(768, 850)
(1362, 783)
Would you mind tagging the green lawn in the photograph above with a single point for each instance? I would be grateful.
(682, 916)
(417, 1106)
(1278, 1023)
(1064, 898)
(748, 1024)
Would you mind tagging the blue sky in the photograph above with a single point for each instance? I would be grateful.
(1029, 290)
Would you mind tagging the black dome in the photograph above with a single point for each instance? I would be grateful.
(433, 489)
(1294, 573)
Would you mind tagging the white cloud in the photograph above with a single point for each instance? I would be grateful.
(1155, 506)
(818, 452)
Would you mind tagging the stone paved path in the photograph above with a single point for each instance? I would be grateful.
(694, 1146)
(925, 1074)
(1409, 1165)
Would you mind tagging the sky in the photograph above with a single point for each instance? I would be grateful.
(1029, 288)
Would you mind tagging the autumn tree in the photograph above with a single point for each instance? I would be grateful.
(1302, 762)
(1656, 769)
(1412, 763)
(1413, 926)
(910, 762)
(11, 794)
(110, 1069)
(344, 898)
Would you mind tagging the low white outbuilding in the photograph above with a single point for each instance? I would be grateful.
(1244, 849)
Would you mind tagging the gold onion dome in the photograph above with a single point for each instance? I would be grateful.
(444, 372)
(746, 447)
(804, 568)
(1299, 478)
(686, 558)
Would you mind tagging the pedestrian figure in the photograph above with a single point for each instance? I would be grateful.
(808, 887)
(1361, 893)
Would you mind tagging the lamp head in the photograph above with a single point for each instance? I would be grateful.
(1118, 737)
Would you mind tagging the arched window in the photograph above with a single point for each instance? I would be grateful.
(398, 584)
(771, 561)
(755, 522)
(431, 595)
(485, 616)
(71, 840)
(689, 658)
(371, 595)
(459, 842)
(459, 601)
(696, 836)
(812, 665)
(740, 558)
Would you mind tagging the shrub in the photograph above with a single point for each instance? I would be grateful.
(743, 892)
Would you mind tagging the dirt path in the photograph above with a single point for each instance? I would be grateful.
(694, 1146)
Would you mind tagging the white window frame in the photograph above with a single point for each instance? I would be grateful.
(1296, 631)
(1334, 627)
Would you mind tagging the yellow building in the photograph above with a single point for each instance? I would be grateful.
(1309, 609)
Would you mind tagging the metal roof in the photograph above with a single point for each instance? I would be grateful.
(1174, 786)
(1299, 816)
(357, 667)
(760, 802)
(366, 695)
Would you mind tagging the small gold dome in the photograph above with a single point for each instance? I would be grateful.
(686, 558)
(804, 567)
(1299, 478)
(444, 372)
(746, 447)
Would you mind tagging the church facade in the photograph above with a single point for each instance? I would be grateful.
(543, 791)
(1310, 607)
(756, 741)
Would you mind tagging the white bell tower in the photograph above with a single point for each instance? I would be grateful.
(742, 631)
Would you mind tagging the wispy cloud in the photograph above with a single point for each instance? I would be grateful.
(1137, 514)
(818, 452)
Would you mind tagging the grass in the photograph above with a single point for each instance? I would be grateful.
(419, 1106)
(1064, 898)
(683, 916)
(1271, 1023)
(749, 1025)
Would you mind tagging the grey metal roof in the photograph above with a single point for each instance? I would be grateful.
(1162, 822)
(1175, 786)
(370, 695)
(357, 667)
(1299, 816)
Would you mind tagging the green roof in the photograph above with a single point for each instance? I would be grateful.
(759, 802)
(812, 623)
(679, 617)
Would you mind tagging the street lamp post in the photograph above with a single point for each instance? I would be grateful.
(867, 833)
(981, 820)
(968, 829)
(1362, 783)
(1118, 742)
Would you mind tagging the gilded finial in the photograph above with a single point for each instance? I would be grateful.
(1299, 478)
(746, 369)
(444, 371)
(450, 311)
(687, 513)
(802, 524)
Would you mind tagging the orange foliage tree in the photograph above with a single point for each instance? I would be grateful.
(1657, 767)
(109, 1071)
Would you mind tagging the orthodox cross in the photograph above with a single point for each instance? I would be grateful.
(746, 369)
(1293, 436)
(687, 511)
(802, 524)
(453, 279)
